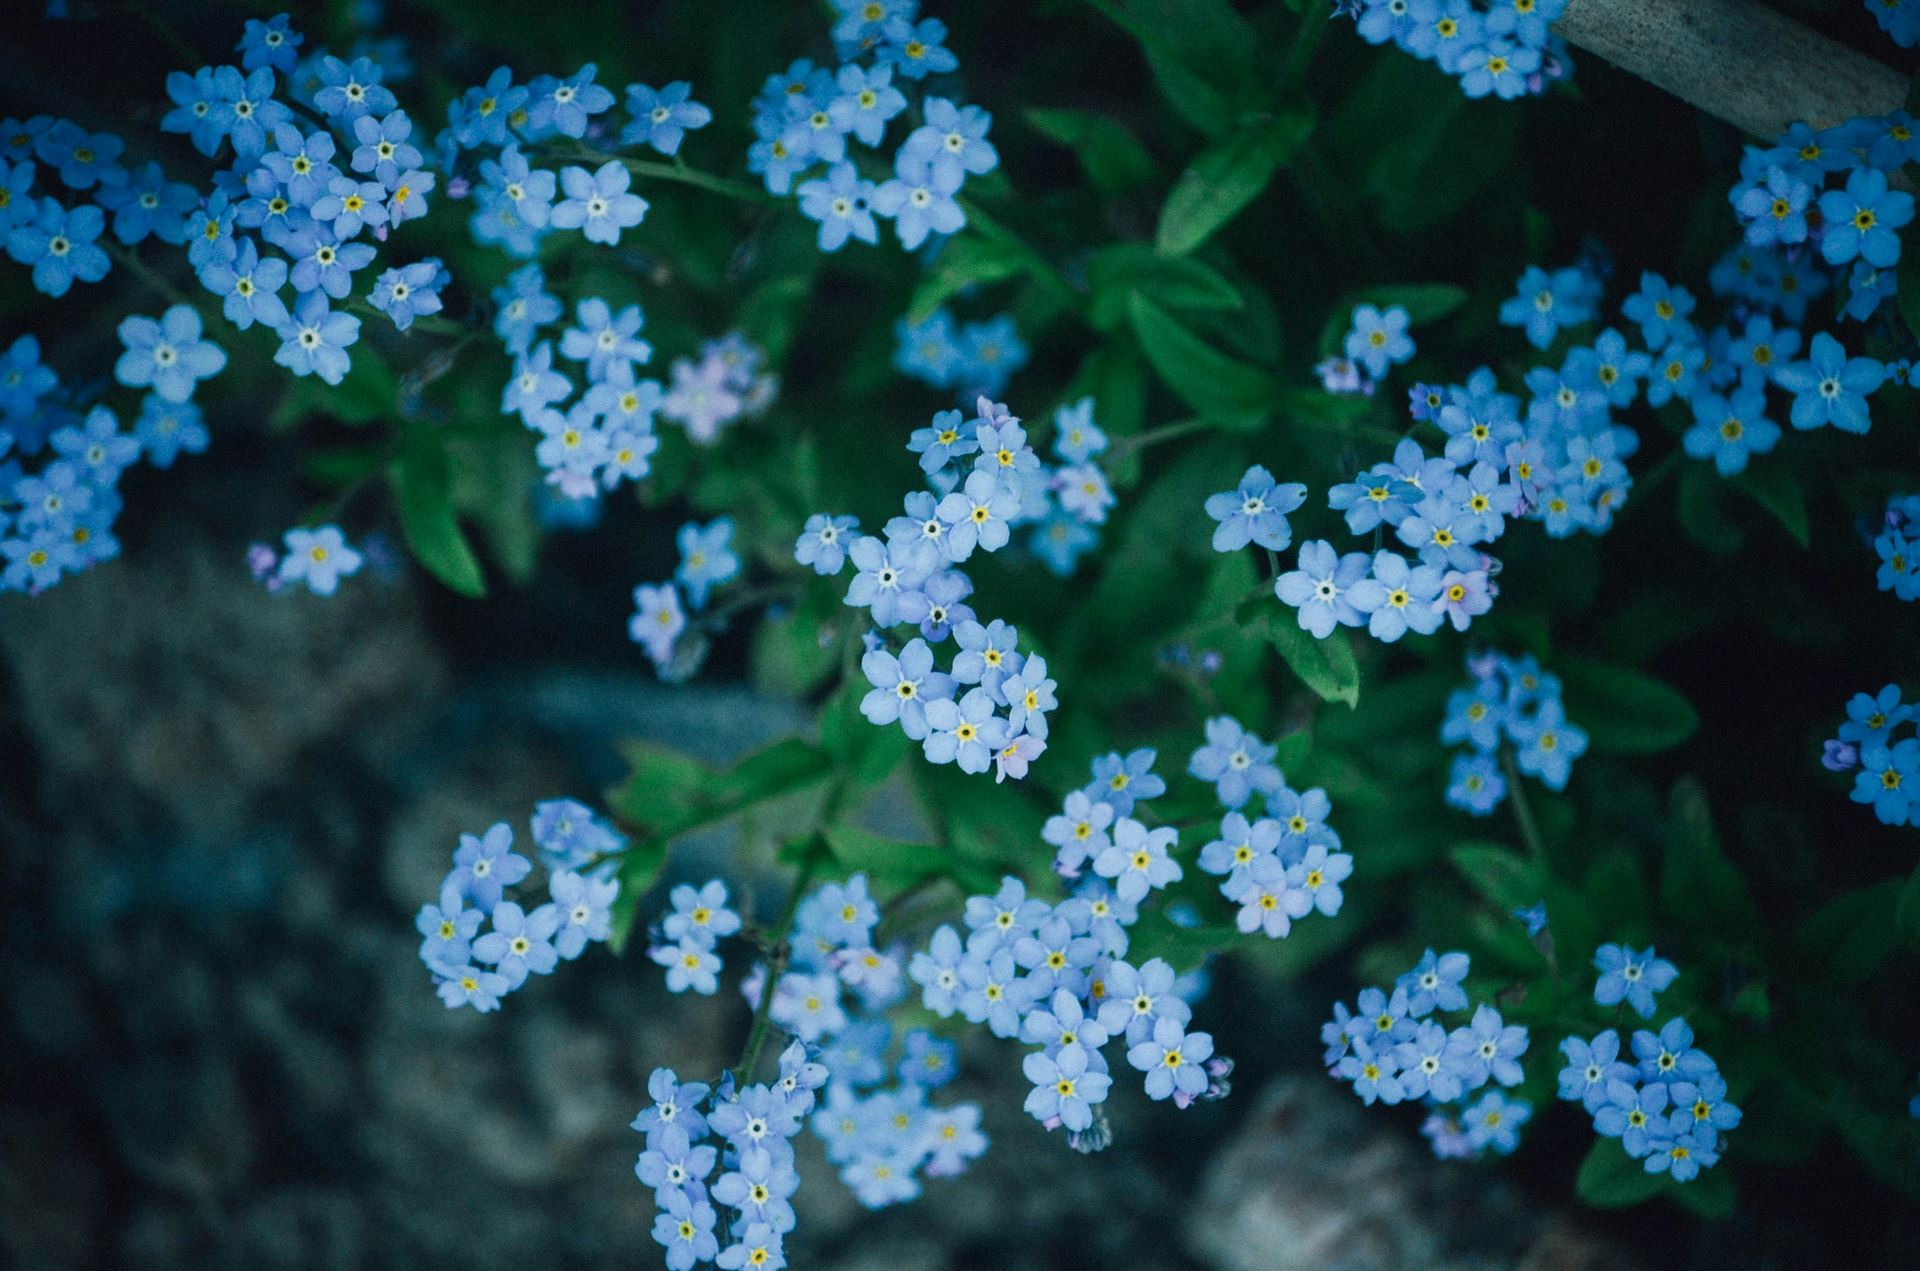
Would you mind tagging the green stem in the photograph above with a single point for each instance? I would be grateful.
(1123, 446)
(1522, 810)
(432, 323)
(680, 172)
(1313, 24)
(147, 274)
(776, 966)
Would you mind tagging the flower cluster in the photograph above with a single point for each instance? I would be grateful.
(747, 1134)
(808, 115)
(1501, 47)
(1283, 865)
(1056, 976)
(1886, 767)
(911, 578)
(685, 940)
(1394, 1046)
(660, 618)
(1896, 547)
(57, 519)
(1667, 1105)
(1509, 702)
(975, 359)
(574, 848)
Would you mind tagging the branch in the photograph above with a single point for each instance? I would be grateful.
(1737, 60)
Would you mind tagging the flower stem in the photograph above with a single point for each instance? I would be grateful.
(1522, 810)
(776, 965)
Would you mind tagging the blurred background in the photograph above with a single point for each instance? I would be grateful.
(219, 810)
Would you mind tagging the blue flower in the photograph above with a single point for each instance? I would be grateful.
(1661, 309)
(1592, 1068)
(1889, 779)
(469, 986)
(657, 621)
(1547, 744)
(1494, 1121)
(598, 203)
(1319, 588)
(564, 105)
(706, 558)
(1137, 859)
(672, 1163)
(1488, 1047)
(689, 965)
(1122, 781)
(165, 429)
(700, 915)
(1729, 430)
(888, 574)
(842, 203)
(757, 1246)
(167, 355)
(271, 43)
(920, 199)
(520, 943)
(480, 117)
(194, 98)
(250, 286)
(1862, 219)
(822, 545)
(1633, 1114)
(1240, 844)
(1476, 784)
(1829, 387)
(348, 90)
(485, 865)
(320, 558)
(1379, 339)
(953, 139)
(523, 305)
(1066, 1085)
(585, 906)
(1398, 597)
(1775, 209)
(607, 342)
(147, 203)
(978, 514)
(916, 50)
(1871, 716)
(966, 732)
(1255, 513)
(447, 929)
(902, 687)
(663, 118)
(569, 836)
(674, 1104)
(866, 100)
(1029, 695)
(1435, 984)
(1173, 1059)
(383, 148)
(314, 340)
(1635, 979)
(685, 1231)
(1498, 67)
(1236, 762)
(1372, 1065)
(1670, 1055)
(405, 293)
(59, 245)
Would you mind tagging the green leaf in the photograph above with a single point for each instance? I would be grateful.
(1113, 157)
(1623, 710)
(967, 260)
(1703, 511)
(1909, 911)
(1773, 487)
(1226, 178)
(1205, 378)
(1906, 277)
(891, 863)
(423, 476)
(1200, 52)
(1177, 282)
(1610, 1179)
(1851, 936)
(1325, 666)
(1503, 877)
(782, 768)
(867, 752)
(640, 868)
(1697, 881)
